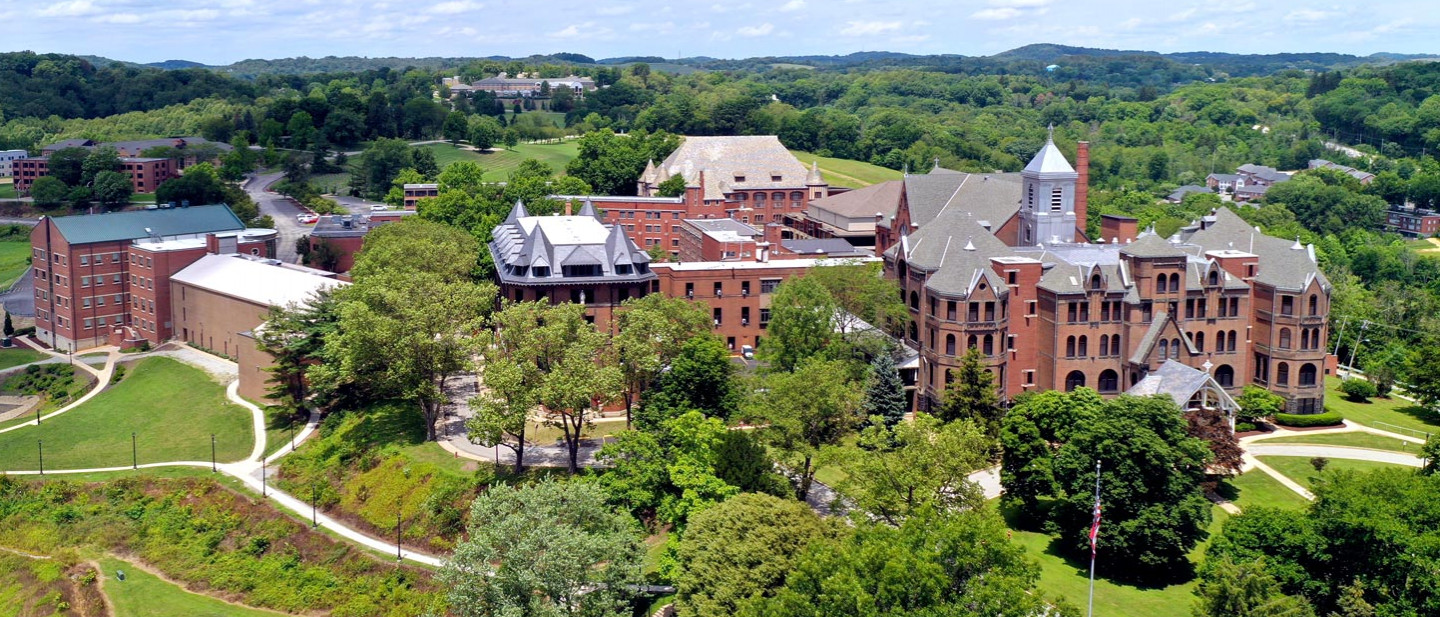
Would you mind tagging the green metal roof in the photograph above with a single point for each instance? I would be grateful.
(115, 226)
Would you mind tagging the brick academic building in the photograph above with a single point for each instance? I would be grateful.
(1002, 268)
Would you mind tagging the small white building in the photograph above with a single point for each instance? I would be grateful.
(7, 161)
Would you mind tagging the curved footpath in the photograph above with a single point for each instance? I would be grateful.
(251, 471)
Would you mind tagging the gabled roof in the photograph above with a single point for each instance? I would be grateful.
(882, 199)
(1180, 193)
(132, 225)
(992, 198)
(958, 252)
(1154, 333)
(1284, 264)
(1151, 245)
(1180, 383)
(734, 163)
(526, 242)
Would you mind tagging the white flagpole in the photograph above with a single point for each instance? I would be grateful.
(1090, 612)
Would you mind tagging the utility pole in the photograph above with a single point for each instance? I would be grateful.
(1364, 325)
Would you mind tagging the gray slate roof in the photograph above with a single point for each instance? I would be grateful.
(523, 243)
(131, 225)
(1180, 383)
(992, 198)
(1284, 264)
(1181, 192)
(958, 251)
(756, 158)
(1151, 245)
(832, 247)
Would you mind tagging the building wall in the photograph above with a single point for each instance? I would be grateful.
(737, 297)
(254, 369)
(212, 320)
(67, 311)
(7, 160)
(145, 176)
(601, 301)
(347, 246)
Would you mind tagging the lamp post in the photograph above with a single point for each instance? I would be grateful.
(134, 452)
(40, 444)
(212, 453)
(398, 558)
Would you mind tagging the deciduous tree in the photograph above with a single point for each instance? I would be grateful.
(815, 406)
(898, 470)
(972, 394)
(650, 333)
(548, 549)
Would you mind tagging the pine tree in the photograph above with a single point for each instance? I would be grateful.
(9, 326)
(885, 394)
(972, 395)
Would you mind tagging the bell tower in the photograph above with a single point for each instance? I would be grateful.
(1047, 197)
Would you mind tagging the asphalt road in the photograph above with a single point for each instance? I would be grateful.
(283, 210)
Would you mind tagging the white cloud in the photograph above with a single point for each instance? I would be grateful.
(664, 27)
(793, 5)
(754, 31)
(1021, 4)
(194, 15)
(1308, 16)
(869, 28)
(569, 32)
(455, 7)
(997, 14)
(70, 8)
(117, 18)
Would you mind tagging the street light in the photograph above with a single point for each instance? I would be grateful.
(41, 445)
(212, 453)
(134, 452)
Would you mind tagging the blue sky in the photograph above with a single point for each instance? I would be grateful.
(223, 31)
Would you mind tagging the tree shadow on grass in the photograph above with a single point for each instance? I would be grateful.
(1421, 413)
(1079, 559)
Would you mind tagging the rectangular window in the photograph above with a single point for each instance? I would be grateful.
(1287, 305)
(84, 281)
(718, 315)
(84, 260)
(767, 286)
(764, 317)
(950, 309)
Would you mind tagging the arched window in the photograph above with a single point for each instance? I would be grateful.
(1314, 304)
(1115, 345)
(1070, 347)
(914, 301)
(1225, 376)
(1095, 281)
(949, 377)
(1084, 346)
(1307, 374)
(1282, 374)
(1160, 285)
(949, 344)
(1174, 282)
(1220, 342)
(970, 344)
(1164, 350)
(989, 345)
(1284, 338)
(797, 195)
(1200, 341)
(1075, 379)
(1175, 348)
(759, 200)
(1109, 381)
(777, 196)
(1104, 345)
(1230, 343)
(1214, 277)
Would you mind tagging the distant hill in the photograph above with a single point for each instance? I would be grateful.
(1046, 52)
(177, 64)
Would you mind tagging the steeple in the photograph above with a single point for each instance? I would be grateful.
(588, 209)
(1047, 198)
(516, 213)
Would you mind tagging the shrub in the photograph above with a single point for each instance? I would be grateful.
(1329, 418)
(1245, 427)
(1358, 390)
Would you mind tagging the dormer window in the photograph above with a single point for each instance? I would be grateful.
(739, 178)
(774, 177)
(540, 271)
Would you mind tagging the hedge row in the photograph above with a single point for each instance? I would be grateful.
(1329, 418)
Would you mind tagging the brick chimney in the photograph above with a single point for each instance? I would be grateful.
(1082, 184)
(212, 244)
(1118, 229)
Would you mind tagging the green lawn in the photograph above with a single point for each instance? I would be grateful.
(847, 173)
(1069, 578)
(1353, 440)
(15, 356)
(173, 409)
(1395, 411)
(7, 189)
(558, 118)
(142, 594)
(142, 198)
(499, 162)
(1256, 488)
(1298, 468)
(14, 259)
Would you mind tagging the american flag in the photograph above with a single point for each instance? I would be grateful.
(1094, 527)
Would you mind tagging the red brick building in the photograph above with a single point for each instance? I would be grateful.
(104, 278)
(1413, 222)
(1007, 270)
(416, 192)
(146, 175)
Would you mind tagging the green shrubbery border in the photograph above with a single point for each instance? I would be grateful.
(1294, 420)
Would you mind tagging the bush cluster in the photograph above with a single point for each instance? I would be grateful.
(1359, 390)
(1295, 420)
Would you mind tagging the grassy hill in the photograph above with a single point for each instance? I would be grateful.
(847, 173)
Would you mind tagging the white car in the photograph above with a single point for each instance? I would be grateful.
(378, 207)
(306, 219)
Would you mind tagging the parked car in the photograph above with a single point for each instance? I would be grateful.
(378, 207)
(306, 219)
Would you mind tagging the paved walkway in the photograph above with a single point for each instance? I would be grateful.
(455, 440)
(102, 378)
(1255, 446)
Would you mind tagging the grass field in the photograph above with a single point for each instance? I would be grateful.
(847, 173)
(1298, 468)
(173, 409)
(15, 356)
(142, 594)
(1395, 411)
(1256, 488)
(557, 118)
(1068, 578)
(499, 162)
(1353, 440)
(14, 259)
(142, 198)
(7, 189)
